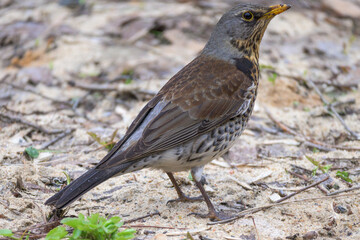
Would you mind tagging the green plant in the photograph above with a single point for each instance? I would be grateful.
(344, 175)
(128, 81)
(32, 153)
(315, 150)
(8, 233)
(272, 78)
(68, 179)
(107, 144)
(348, 45)
(295, 104)
(190, 177)
(264, 66)
(93, 227)
(324, 168)
(128, 75)
(306, 109)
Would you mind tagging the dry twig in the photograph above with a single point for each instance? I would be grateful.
(305, 139)
(57, 138)
(151, 226)
(30, 90)
(257, 209)
(140, 218)
(301, 190)
(23, 121)
(344, 190)
(280, 202)
(134, 89)
(307, 180)
(303, 80)
(331, 110)
(257, 232)
(67, 104)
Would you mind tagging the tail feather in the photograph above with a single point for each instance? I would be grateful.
(83, 184)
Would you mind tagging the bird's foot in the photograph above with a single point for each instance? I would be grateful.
(213, 215)
(185, 198)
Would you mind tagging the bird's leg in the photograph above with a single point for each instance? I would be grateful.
(182, 196)
(213, 214)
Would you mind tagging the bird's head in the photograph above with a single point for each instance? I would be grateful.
(242, 28)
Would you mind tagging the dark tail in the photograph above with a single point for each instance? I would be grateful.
(83, 184)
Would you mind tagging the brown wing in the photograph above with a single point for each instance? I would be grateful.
(134, 125)
(203, 95)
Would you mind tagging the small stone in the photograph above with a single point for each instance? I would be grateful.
(310, 235)
(339, 209)
(45, 156)
(282, 193)
(209, 189)
(293, 237)
(322, 232)
(274, 197)
(147, 232)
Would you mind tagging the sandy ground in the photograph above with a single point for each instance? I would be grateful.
(69, 68)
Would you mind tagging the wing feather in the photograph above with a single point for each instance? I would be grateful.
(196, 100)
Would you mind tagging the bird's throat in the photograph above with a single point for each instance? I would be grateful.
(249, 49)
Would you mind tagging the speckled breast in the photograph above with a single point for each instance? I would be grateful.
(204, 148)
(219, 140)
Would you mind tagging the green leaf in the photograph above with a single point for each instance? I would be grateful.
(6, 232)
(56, 233)
(95, 137)
(32, 152)
(97, 227)
(124, 235)
(128, 81)
(306, 109)
(324, 169)
(313, 161)
(109, 227)
(190, 177)
(344, 175)
(188, 236)
(128, 75)
(68, 179)
(113, 135)
(264, 66)
(93, 219)
(37, 42)
(272, 78)
(72, 222)
(108, 145)
(76, 233)
(128, 72)
(313, 172)
(51, 65)
(115, 219)
(315, 150)
(119, 224)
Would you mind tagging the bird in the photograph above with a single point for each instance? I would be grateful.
(196, 116)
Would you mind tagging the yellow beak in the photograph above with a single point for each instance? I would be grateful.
(276, 9)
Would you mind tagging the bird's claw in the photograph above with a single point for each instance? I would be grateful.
(213, 215)
(186, 199)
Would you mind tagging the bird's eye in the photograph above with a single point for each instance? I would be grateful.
(248, 16)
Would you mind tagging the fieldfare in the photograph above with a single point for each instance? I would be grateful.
(197, 115)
